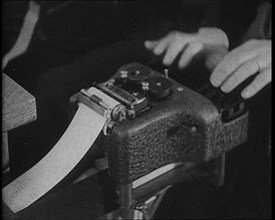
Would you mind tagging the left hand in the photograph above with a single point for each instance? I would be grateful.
(248, 59)
(188, 45)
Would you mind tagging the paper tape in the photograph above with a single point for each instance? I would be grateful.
(64, 156)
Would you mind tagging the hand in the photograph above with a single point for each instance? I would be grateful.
(250, 58)
(188, 44)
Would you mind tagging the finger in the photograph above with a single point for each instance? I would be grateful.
(229, 64)
(246, 70)
(249, 68)
(158, 46)
(259, 82)
(173, 50)
(162, 45)
(150, 44)
(189, 53)
(34, 7)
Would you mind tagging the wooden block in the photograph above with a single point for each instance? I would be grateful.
(18, 105)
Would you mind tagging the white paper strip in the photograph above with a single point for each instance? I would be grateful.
(65, 155)
(154, 174)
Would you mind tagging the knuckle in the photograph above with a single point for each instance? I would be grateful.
(269, 75)
(198, 46)
(173, 34)
(235, 58)
(176, 35)
(160, 44)
(265, 77)
(247, 68)
(251, 42)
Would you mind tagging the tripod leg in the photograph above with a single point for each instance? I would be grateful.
(219, 170)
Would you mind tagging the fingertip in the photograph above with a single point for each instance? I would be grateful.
(215, 79)
(157, 51)
(148, 44)
(165, 62)
(182, 62)
(248, 92)
(181, 66)
(224, 89)
(214, 82)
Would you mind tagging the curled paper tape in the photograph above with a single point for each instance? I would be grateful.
(65, 155)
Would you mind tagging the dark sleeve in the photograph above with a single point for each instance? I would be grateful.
(233, 17)
(261, 27)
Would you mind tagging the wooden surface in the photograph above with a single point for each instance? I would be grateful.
(18, 105)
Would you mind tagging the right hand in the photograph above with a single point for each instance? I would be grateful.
(175, 43)
(251, 58)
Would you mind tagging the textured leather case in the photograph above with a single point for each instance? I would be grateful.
(185, 126)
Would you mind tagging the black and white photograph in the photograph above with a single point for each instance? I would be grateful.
(136, 109)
